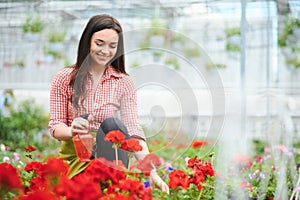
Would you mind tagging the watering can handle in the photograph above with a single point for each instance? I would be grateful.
(85, 116)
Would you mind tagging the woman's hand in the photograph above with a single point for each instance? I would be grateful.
(80, 126)
(158, 182)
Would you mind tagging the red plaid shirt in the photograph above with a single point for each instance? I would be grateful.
(115, 94)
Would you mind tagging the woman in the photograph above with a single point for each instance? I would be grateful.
(98, 85)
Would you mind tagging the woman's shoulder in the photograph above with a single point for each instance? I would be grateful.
(127, 82)
(63, 75)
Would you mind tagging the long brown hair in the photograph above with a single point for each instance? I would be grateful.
(80, 73)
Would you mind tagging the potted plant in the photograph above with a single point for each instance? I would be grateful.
(293, 63)
(19, 62)
(176, 41)
(56, 39)
(291, 32)
(288, 41)
(210, 66)
(157, 33)
(172, 60)
(233, 39)
(32, 27)
(192, 53)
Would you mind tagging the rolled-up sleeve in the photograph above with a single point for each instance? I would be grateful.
(128, 108)
(59, 101)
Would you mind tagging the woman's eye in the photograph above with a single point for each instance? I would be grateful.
(99, 44)
(113, 47)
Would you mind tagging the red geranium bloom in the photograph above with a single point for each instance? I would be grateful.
(81, 187)
(9, 177)
(200, 165)
(197, 179)
(178, 179)
(242, 160)
(146, 165)
(154, 159)
(40, 195)
(245, 184)
(180, 146)
(30, 148)
(34, 166)
(55, 166)
(131, 145)
(103, 170)
(114, 136)
(259, 159)
(38, 183)
(198, 143)
(133, 188)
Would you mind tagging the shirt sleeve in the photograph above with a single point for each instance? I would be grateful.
(128, 108)
(58, 102)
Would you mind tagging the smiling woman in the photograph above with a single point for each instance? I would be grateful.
(103, 48)
(97, 87)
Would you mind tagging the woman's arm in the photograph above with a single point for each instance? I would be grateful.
(154, 177)
(62, 132)
(79, 125)
(61, 124)
(129, 117)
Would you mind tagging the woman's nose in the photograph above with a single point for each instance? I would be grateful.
(105, 50)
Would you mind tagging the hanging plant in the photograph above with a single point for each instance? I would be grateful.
(56, 36)
(291, 29)
(33, 24)
(210, 66)
(173, 62)
(157, 28)
(19, 62)
(295, 62)
(288, 41)
(233, 39)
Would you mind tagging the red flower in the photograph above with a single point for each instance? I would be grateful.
(114, 136)
(30, 148)
(146, 165)
(242, 160)
(259, 159)
(9, 177)
(197, 179)
(104, 171)
(200, 165)
(180, 146)
(40, 195)
(245, 184)
(38, 183)
(198, 143)
(178, 179)
(34, 166)
(81, 187)
(55, 167)
(134, 189)
(48, 175)
(131, 145)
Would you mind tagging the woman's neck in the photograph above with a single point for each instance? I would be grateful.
(97, 71)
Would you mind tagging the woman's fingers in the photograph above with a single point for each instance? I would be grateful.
(158, 182)
(79, 131)
(80, 125)
(165, 188)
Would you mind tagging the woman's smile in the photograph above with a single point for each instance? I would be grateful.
(104, 46)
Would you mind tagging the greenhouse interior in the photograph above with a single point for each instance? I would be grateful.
(217, 96)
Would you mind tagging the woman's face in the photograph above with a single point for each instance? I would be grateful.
(103, 46)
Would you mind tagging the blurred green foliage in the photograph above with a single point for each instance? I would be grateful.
(23, 124)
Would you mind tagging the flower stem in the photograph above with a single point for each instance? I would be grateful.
(200, 194)
(130, 155)
(116, 152)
